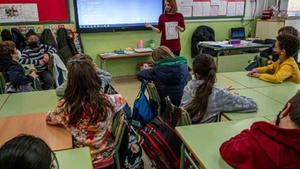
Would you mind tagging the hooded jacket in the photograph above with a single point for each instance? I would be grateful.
(263, 146)
(169, 76)
(14, 73)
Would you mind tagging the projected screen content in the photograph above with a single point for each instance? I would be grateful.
(117, 13)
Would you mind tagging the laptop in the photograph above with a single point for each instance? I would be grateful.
(238, 33)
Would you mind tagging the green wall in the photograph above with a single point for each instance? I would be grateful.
(95, 43)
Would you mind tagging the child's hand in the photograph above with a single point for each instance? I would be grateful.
(255, 75)
(51, 121)
(270, 62)
(34, 75)
(42, 62)
(46, 58)
(229, 88)
(253, 71)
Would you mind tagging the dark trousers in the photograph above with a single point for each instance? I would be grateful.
(46, 78)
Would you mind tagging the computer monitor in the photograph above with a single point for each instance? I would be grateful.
(238, 33)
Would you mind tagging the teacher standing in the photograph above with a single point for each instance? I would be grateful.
(169, 25)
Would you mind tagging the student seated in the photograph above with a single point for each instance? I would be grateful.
(38, 54)
(204, 101)
(286, 67)
(86, 113)
(169, 74)
(104, 76)
(273, 56)
(13, 72)
(27, 152)
(268, 145)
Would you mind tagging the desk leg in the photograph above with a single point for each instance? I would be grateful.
(182, 157)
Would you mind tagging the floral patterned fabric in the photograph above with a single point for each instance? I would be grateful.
(98, 137)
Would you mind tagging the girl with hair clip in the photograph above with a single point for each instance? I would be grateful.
(169, 74)
(86, 113)
(204, 100)
(170, 16)
(27, 152)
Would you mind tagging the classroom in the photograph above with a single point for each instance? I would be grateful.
(158, 84)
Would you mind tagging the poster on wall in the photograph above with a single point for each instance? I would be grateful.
(199, 8)
(10, 13)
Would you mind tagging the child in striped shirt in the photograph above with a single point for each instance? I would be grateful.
(38, 55)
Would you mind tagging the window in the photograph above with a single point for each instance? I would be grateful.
(294, 8)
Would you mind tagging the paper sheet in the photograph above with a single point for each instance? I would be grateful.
(171, 32)
(214, 2)
(197, 10)
(223, 8)
(231, 8)
(239, 8)
(214, 10)
(184, 2)
(18, 13)
(206, 8)
(185, 10)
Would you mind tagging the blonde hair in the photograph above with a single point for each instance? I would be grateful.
(173, 4)
(162, 52)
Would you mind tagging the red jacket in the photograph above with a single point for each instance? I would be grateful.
(264, 146)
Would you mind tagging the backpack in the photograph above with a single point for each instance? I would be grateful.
(142, 111)
(18, 38)
(65, 45)
(6, 35)
(258, 61)
(202, 33)
(130, 150)
(161, 144)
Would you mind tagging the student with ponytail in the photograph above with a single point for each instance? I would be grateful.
(204, 100)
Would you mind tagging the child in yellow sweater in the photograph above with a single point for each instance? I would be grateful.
(285, 68)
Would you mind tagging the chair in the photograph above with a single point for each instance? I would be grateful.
(2, 83)
(174, 115)
(118, 130)
(154, 96)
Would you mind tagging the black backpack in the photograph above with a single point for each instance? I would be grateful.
(65, 45)
(202, 33)
(6, 35)
(47, 38)
(18, 38)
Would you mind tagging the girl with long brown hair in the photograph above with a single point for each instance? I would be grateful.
(204, 101)
(87, 113)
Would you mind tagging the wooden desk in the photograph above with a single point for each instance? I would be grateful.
(57, 138)
(266, 106)
(281, 94)
(104, 58)
(78, 158)
(3, 99)
(204, 140)
(29, 102)
(251, 82)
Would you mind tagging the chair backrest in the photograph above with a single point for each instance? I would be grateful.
(118, 129)
(174, 115)
(154, 96)
(2, 83)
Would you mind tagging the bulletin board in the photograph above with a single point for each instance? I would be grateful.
(34, 11)
(205, 9)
